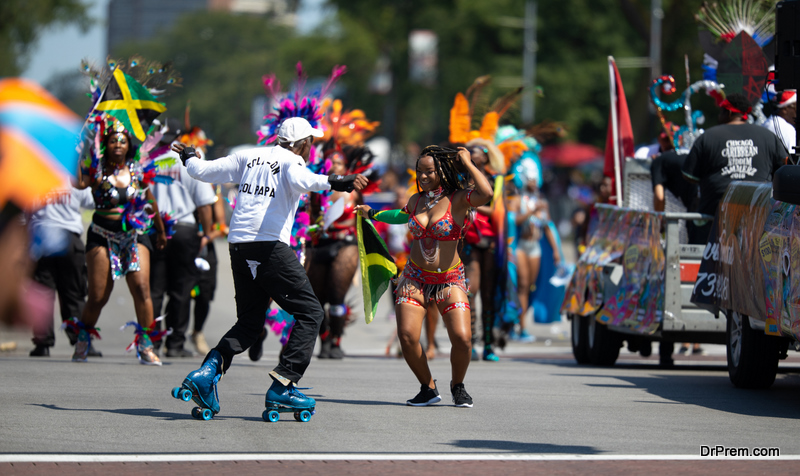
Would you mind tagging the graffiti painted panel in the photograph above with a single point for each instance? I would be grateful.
(630, 238)
(748, 265)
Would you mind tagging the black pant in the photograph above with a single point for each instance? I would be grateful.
(206, 285)
(67, 275)
(264, 270)
(173, 272)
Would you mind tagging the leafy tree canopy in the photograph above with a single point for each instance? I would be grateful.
(222, 58)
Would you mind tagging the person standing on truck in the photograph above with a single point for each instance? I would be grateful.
(732, 150)
(665, 173)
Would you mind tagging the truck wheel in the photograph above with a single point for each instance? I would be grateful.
(580, 338)
(752, 355)
(604, 344)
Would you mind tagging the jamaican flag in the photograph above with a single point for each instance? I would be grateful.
(377, 266)
(130, 103)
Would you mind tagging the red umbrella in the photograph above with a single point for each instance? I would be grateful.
(569, 154)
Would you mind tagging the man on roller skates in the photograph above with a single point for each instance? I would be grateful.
(271, 180)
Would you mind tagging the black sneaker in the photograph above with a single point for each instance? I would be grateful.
(257, 350)
(460, 396)
(325, 349)
(336, 353)
(93, 352)
(426, 396)
(40, 351)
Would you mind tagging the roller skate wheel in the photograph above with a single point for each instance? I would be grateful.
(297, 416)
(305, 415)
(186, 395)
(196, 413)
(271, 416)
(207, 414)
(175, 392)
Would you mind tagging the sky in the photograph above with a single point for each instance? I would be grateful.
(60, 48)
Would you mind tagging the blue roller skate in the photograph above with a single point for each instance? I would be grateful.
(287, 399)
(201, 386)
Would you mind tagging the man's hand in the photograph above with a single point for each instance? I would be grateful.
(360, 182)
(184, 152)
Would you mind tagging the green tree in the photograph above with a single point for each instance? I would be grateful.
(222, 58)
(574, 38)
(22, 21)
(469, 45)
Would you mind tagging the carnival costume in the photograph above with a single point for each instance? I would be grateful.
(121, 237)
(330, 271)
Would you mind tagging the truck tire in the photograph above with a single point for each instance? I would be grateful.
(580, 338)
(604, 344)
(752, 355)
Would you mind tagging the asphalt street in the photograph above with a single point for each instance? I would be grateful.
(536, 402)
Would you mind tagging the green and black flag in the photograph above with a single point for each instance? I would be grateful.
(131, 104)
(377, 266)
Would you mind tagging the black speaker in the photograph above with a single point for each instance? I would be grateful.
(784, 184)
(787, 45)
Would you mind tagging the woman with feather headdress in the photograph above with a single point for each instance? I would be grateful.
(119, 173)
(334, 254)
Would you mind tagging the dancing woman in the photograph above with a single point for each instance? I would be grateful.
(114, 246)
(437, 217)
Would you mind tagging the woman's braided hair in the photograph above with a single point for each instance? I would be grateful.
(448, 168)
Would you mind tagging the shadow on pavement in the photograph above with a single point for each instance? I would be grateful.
(713, 391)
(362, 402)
(147, 412)
(518, 447)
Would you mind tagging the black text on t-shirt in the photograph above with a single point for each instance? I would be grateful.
(273, 166)
(256, 190)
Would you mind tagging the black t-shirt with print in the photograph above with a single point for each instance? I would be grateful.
(666, 170)
(729, 152)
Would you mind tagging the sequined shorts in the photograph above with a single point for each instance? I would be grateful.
(434, 285)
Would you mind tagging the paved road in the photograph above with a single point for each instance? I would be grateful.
(534, 406)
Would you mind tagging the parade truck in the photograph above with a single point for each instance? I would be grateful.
(756, 244)
(633, 283)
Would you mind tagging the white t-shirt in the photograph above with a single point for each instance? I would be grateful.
(62, 209)
(183, 195)
(271, 181)
(783, 130)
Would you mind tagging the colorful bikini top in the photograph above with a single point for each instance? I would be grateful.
(445, 229)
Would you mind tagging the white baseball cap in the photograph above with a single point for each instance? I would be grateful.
(297, 128)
